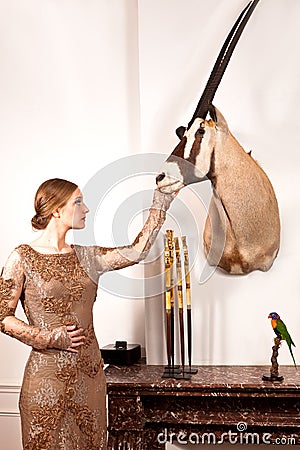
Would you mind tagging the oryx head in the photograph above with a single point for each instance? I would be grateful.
(191, 159)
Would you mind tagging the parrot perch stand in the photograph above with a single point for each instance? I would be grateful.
(274, 373)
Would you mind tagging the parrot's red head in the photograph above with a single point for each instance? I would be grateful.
(273, 316)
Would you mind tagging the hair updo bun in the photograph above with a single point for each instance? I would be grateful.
(50, 196)
(40, 223)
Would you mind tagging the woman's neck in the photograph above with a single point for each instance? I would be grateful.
(52, 239)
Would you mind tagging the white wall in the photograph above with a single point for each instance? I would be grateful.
(86, 84)
(259, 96)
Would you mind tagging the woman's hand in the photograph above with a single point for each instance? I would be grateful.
(77, 337)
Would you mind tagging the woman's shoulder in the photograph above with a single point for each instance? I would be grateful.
(22, 252)
(18, 251)
(14, 262)
(22, 249)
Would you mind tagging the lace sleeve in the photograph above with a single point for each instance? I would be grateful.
(118, 257)
(11, 286)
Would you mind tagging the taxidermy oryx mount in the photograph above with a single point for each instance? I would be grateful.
(242, 229)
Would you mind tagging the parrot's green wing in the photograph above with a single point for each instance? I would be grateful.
(282, 329)
(280, 326)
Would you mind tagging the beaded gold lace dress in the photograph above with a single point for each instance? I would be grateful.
(62, 400)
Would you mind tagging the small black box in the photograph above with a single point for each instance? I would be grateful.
(121, 357)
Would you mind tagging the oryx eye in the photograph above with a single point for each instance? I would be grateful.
(199, 132)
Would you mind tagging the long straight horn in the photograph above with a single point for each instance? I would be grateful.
(221, 63)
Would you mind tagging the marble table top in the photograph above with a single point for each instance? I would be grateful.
(208, 378)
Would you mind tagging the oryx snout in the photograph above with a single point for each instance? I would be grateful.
(160, 177)
(170, 178)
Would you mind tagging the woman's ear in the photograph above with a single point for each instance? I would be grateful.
(56, 214)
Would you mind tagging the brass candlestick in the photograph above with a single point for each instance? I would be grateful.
(183, 374)
(188, 304)
(171, 369)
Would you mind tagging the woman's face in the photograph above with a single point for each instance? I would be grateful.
(72, 215)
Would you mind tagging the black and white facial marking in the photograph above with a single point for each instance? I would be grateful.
(190, 161)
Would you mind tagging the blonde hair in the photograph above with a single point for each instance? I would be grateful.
(51, 195)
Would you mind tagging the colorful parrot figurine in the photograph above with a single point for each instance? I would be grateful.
(281, 331)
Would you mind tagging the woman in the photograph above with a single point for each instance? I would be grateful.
(62, 401)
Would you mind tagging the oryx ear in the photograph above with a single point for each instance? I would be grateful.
(218, 118)
(212, 113)
(180, 132)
